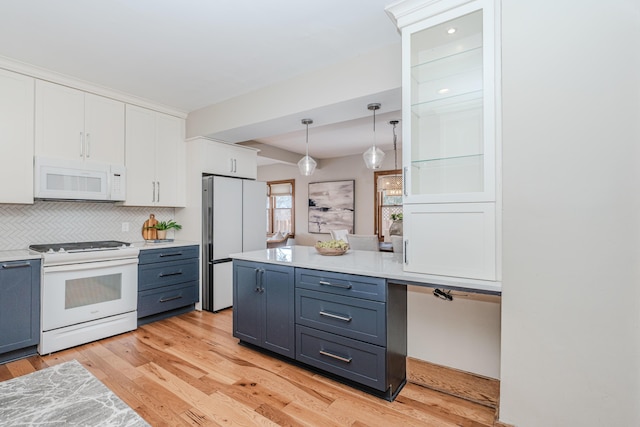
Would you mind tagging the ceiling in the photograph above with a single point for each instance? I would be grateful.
(189, 54)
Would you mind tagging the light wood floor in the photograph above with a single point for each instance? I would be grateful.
(190, 371)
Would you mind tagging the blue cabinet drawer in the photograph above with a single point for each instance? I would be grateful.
(166, 298)
(178, 253)
(357, 361)
(166, 273)
(355, 318)
(372, 288)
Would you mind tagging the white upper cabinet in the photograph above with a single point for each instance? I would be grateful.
(230, 160)
(449, 103)
(155, 158)
(451, 139)
(73, 124)
(16, 137)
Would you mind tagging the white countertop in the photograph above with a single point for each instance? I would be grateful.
(23, 254)
(143, 244)
(364, 263)
(18, 255)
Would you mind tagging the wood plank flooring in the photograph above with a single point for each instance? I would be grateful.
(189, 371)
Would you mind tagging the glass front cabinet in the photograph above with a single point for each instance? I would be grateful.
(450, 111)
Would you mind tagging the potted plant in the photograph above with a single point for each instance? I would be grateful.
(163, 226)
(396, 226)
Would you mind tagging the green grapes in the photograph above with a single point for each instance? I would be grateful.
(333, 244)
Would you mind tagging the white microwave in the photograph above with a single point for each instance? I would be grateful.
(67, 179)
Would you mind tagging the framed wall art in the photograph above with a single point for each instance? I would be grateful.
(331, 206)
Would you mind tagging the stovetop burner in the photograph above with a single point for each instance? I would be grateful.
(79, 246)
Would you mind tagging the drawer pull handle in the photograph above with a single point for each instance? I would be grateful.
(170, 298)
(336, 316)
(335, 285)
(335, 356)
(23, 264)
(171, 254)
(175, 273)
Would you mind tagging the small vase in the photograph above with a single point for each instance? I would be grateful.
(162, 234)
(396, 228)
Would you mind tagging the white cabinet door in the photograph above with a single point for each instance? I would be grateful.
(59, 121)
(16, 137)
(72, 124)
(449, 105)
(245, 162)
(170, 160)
(451, 239)
(155, 158)
(230, 160)
(140, 156)
(218, 158)
(104, 129)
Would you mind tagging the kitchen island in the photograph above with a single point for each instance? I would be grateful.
(344, 316)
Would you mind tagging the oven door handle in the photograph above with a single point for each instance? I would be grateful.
(89, 265)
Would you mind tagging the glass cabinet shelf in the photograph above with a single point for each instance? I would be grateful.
(457, 174)
(425, 163)
(447, 104)
(455, 63)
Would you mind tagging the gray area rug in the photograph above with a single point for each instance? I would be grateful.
(63, 395)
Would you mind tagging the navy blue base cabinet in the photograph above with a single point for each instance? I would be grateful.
(263, 306)
(349, 327)
(168, 282)
(19, 309)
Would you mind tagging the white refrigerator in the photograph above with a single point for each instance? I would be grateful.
(234, 220)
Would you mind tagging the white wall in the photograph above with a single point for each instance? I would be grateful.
(337, 169)
(463, 334)
(571, 141)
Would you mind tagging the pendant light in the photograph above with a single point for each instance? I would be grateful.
(373, 156)
(306, 164)
(392, 184)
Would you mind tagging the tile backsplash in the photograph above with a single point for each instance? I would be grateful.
(58, 222)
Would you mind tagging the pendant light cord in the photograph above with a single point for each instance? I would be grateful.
(374, 127)
(307, 139)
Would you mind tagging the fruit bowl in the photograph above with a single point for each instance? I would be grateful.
(331, 251)
(332, 247)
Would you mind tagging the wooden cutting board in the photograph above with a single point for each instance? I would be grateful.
(150, 233)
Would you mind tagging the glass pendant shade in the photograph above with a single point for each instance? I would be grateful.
(306, 164)
(373, 157)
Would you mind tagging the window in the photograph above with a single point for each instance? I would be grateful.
(388, 200)
(280, 207)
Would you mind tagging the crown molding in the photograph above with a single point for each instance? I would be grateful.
(15, 66)
(407, 12)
